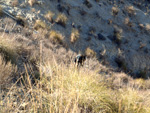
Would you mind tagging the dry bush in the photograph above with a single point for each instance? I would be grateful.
(6, 71)
(40, 24)
(115, 11)
(56, 37)
(49, 16)
(32, 2)
(90, 53)
(130, 10)
(15, 3)
(61, 19)
(74, 35)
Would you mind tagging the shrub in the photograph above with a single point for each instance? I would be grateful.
(49, 16)
(90, 53)
(61, 19)
(39, 24)
(74, 35)
(56, 37)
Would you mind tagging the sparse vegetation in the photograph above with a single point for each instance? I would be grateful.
(74, 35)
(40, 24)
(90, 53)
(38, 74)
(61, 19)
(56, 37)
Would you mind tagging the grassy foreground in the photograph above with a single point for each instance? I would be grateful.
(63, 89)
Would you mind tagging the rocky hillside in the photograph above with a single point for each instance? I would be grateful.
(115, 32)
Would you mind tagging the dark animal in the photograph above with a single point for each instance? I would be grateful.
(79, 60)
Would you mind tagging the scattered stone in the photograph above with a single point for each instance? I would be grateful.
(101, 37)
(87, 3)
(82, 12)
(60, 8)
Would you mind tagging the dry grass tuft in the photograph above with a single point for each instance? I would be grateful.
(74, 35)
(32, 2)
(61, 19)
(90, 53)
(49, 16)
(115, 11)
(147, 26)
(130, 10)
(9, 48)
(128, 22)
(40, 24)
(56, 37)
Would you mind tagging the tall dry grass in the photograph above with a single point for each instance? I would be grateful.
(7, 70)
(70, 90)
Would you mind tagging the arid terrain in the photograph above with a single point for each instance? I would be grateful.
(39, 40)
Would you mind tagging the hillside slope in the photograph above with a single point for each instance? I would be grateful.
(118, 31)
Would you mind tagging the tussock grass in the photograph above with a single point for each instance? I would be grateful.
(9, 48)
(56, 37)
(90, 53)
(115, 11)
(130, 9)
(61, 19)
(39, 24)
(67, 89)
(49, 16)
(74, 35)
(32, 2)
